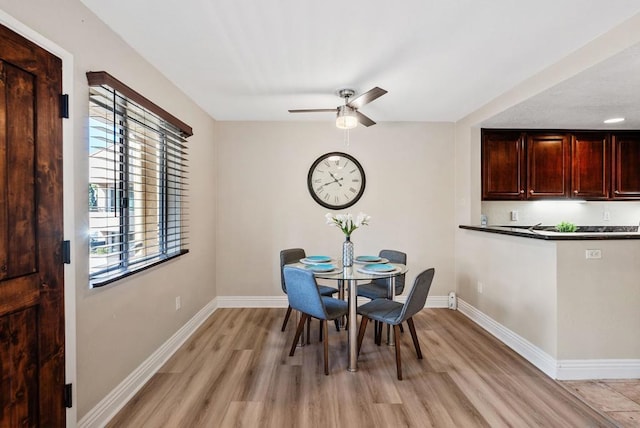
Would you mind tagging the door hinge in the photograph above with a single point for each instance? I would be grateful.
(64, 106)
(68, 395)
(66, 252)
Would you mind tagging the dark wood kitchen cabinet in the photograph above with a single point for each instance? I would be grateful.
(590, 165)
(519, 164)
(503, 164)
(626, 165)
(548, 165)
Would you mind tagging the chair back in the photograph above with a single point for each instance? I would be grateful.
(394, 257)
(303, 293)
(291, 255)
(418, 295)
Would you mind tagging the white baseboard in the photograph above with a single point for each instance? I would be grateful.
(110, 405)
(529, 351)
(555, 369)
(598, 369)
(282, 302)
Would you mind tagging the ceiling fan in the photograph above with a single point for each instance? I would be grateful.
(348, 115)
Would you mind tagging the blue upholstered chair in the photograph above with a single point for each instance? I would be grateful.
(304, 296)
(394, 313)
(377, 289)
(294, 255)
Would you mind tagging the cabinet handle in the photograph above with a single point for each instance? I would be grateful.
(521, 190)
(617, 192)
(575, 192)
(531, 191)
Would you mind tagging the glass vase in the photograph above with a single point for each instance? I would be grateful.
(347, 252)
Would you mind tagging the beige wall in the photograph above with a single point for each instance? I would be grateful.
(501, 280)
(119, 326)
(264, 205)
(598, 300)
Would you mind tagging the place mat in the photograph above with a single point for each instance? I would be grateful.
(312, 260)
(335, 271)
(378, 269)
(368, 259)
(373, 272)
(364, 262)
(322, 267)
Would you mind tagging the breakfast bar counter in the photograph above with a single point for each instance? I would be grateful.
(584, 233)
(567, 302)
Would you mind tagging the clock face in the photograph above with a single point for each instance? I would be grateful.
(336, 180)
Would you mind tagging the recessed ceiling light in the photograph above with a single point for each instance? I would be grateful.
(615, 120)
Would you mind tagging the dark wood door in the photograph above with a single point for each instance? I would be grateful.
(31, 270)
(548, 166)
(503, 165)
(626, 165)
(590, 165)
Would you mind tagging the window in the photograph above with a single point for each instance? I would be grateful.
(137, 182)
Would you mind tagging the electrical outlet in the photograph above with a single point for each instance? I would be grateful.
(606, 215)
(178, 303)
(480, 287)
(593, 254)
(514, 215)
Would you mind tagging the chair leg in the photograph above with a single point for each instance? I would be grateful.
(375, 332)
(326, 348)
(379, 333)
(363, 328)
(337, 323)
(286, 318)
(401, 328)
(416, 344)
(396, 337)
(303, 318)
(321, 331)
(308, 330)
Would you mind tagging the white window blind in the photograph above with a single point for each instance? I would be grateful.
(137, 182)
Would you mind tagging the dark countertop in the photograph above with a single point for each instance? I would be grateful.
(584, 233)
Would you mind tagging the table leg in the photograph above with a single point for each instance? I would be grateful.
(341, 320)
(353, 326)
(391, 294)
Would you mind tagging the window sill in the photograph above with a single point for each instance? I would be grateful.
(111, 277)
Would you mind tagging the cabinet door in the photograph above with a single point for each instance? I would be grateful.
(589, 165)
(626, 165)
(502, 166)
(547, 166)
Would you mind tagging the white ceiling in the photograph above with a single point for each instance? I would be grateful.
(439, 59)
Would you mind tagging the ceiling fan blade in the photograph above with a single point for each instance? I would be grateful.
(364, 119)
(314, 110)
(366, 98)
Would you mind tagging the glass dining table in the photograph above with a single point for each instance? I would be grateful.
(347, 278)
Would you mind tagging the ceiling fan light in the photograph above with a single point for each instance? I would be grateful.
(346, 118)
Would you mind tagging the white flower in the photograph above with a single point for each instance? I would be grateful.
(362, 219)
(346, 223)
(330, 219)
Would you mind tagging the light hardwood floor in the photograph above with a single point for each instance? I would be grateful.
(235, 371)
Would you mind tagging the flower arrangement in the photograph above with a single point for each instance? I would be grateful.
(346, 223)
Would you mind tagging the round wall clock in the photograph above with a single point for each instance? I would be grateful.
(336, 180)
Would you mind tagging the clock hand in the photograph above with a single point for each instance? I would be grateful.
(335, 179)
